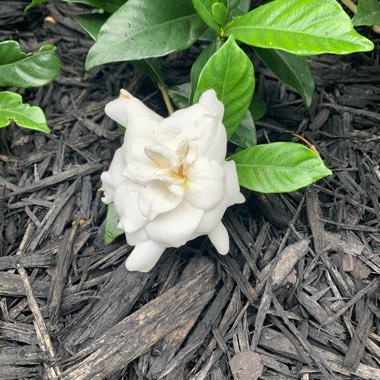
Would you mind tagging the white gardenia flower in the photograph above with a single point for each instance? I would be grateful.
(169, 181)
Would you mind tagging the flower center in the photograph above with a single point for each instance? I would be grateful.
(171, 162)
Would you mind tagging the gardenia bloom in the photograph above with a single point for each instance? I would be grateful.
(169, 181)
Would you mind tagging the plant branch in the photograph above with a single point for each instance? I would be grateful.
(165, 95)
(350, 5)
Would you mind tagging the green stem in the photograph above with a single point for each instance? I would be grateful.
(350, 5)
(165, 95)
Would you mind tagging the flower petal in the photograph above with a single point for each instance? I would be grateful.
(219, 237)
(127, 108)
(156, 198)
(205, 184)
(113, 177)
(211, 138)
(232, 184)
(175, 227)
(144, 256)
(126, 205)
(212, 217)
(209, 100)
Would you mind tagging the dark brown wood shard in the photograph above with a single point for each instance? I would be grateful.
(114, 301)
(135, 334)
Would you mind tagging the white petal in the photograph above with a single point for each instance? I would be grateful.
(211, 218)
(175, 227)
(232, 184)
(126, 108)
(144, 256)
(126, 206)
(161, 155)
(156, 198)
(205, 184)
(181, 122)
(219, 237)
(211, 102)
(113, 177)
(211, 138)
(137, 237)
(139, 166)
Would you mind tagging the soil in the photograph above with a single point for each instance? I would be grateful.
(296, 298)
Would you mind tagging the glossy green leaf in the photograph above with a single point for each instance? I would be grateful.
(219, 13)
(258, 108)
(245, 134)
(368, 13)
(278, 167)
(24, 115)
(180, 95)
(230, 73)
(204, 10)
(293, 70)
(19, 69)
(92, 22)
(199, 64)
(302, 27)
(109, 6)
(111, 231)
(151, 67)
(146, 29)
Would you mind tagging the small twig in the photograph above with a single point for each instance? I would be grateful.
(350, 5)
(165, 95)
(45, 343)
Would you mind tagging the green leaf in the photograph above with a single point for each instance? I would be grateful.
(204, 10)
(258, 107)
(368, 13)
(109, 6)
(278, 167)
(230, 73)
(18, 69)
(237, 8)
(24, 115)
(219, 13)
(245, 134)
(151, 67)
(180, 95)
(92, 22)
(291, 69)
(146, 29)
(302, 27)
(199, 64)
(111, 231)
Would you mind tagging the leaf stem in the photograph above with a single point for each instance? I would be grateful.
(165, 95)
(350, 5)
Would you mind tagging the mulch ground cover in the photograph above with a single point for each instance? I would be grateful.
(296, 298)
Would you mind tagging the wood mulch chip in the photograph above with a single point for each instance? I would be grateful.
(296, 298)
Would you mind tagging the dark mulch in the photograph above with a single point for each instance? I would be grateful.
(300, 287)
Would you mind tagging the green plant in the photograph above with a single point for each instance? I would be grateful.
(281, 33)
(19, 69)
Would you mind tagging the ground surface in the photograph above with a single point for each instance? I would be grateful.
(300, 286)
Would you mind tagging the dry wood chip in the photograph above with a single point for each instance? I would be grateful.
(73, 172)
(114, 301)
(246, 366)
(359, 340)
(27, 261)
(172, 342)
(286, 260)
(19, 332)
(135, 334)
(21, 355)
